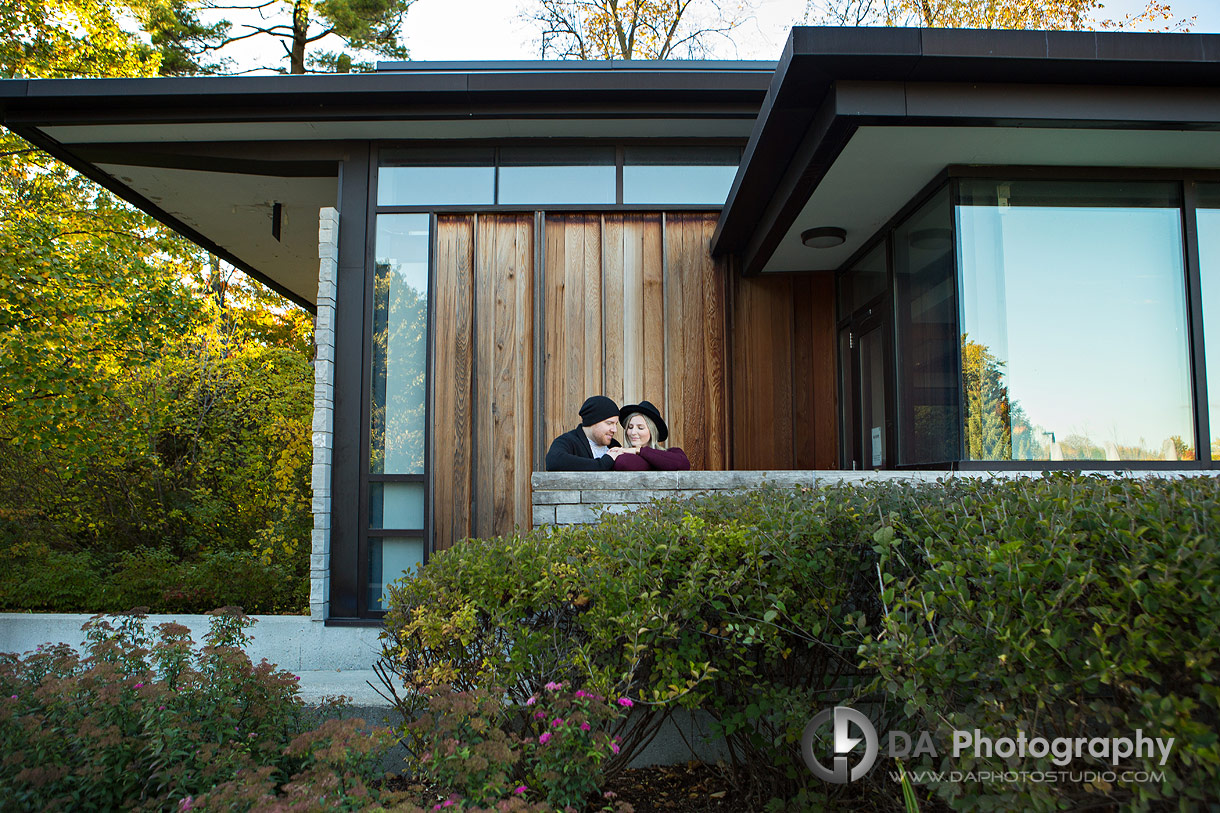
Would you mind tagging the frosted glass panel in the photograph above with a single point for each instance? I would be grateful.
(389, 558)
(396, 506)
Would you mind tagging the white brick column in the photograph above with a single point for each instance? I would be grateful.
(323, 412)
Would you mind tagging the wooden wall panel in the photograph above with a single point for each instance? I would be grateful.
(652, 307)
(630, 305)
(452, 371)
(504, 372)
(784, 385)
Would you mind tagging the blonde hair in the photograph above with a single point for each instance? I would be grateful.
(652, 430)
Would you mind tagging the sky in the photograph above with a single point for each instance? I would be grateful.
(493, 29)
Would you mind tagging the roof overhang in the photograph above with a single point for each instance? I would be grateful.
(211, 157)
(858, 121)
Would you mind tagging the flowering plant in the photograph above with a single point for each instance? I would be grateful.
(570, 743)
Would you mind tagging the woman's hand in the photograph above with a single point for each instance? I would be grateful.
(629, 450)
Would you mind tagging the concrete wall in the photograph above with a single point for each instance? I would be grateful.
(329, 660)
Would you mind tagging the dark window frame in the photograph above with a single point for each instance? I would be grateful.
(619, 145)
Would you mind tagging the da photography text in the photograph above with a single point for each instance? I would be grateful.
(856, 746)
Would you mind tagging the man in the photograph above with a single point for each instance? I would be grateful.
(590, 446)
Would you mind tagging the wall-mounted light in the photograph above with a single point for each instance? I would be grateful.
(823, 237)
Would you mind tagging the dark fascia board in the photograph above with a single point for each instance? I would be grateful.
(815, 58)
(40, 102)
(582, 66)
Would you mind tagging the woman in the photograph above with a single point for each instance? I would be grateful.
(644, 428)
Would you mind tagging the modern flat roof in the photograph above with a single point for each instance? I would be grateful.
(857, 121)
(209, 156)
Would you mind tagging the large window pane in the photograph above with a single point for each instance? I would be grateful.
(400, 344)
(436, 177)
(1208, 214)
(556, 175)
(929, 419)
(677, 175)
(1073, 316)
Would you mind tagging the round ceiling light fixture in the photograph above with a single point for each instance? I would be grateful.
(823, 237)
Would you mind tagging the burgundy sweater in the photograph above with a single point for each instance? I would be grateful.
(653, 460)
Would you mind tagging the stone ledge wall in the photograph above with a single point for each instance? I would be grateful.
(323, 413)
(577, 497)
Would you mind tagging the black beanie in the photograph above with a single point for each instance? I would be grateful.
(596, 409)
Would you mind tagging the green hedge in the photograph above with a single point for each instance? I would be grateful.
(1062, 607)
(46, 580)
(764, 608)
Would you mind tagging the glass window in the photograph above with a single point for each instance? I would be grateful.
(867, 278)
(389, 558)
(436, 177)
(926, 324)
(400, 344)
(557, 175)
(677, 175)
(1073, 321)
(1208, 217)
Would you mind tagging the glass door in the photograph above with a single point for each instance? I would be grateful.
(866, 425)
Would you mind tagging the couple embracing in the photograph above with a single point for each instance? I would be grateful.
(592, 446)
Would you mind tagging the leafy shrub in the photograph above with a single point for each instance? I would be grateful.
(763, 608)
(1061, 606)
(747, 606)
(151, 724)
(466, 755)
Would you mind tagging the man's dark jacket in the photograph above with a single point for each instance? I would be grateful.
(570, 452)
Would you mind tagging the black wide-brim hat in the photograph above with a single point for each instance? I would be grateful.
(649, 411)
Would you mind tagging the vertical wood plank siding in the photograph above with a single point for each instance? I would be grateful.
(784, 389)
(452, 371)
(632, 306)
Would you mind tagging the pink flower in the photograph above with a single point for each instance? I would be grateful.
(585, 727)
(614, 747)
(520, 789)
(553, 686)
(557, 722)
(160, 708)
(540, 715)
(186, 804)
(139, 686)
(531, 701)
(625, 701)
(545, 738)
(582, 693)
(447, 803)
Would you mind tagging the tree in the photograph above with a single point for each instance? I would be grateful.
(139, 416)
(634, 29)
(362, 26)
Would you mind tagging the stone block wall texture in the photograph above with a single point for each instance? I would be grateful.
(572, 498)
(323, 412)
